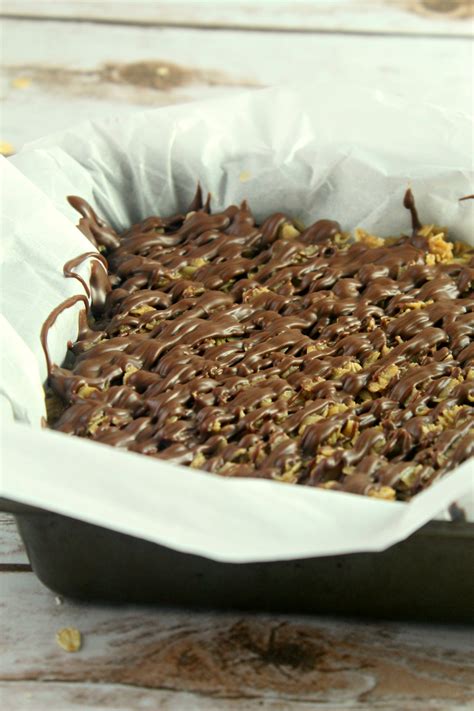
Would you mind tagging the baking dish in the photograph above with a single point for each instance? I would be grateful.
(112, 529)
(429, 576)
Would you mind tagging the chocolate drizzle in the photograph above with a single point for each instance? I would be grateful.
(99, 283)
(92, 226)
(276, 351)
(409, 203)
(51, 320)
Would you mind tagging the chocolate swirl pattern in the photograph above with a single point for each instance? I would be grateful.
(276, 351)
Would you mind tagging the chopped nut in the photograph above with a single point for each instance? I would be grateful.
(96, 421)
(335, 409)
(332, 439)
(438, 246)
(450, 385)
(385, 492)
(449, 416)
(350, 367)
(350, 428)
(426, 230)
(150, 325)
(342, 237)
(367, 239)
(307, 384)
(422, 409)
(239, 455)
(140, 310)
(384, 377)
(309, 420)
(193, 266)
(461, 248)
(251, 293)
(290, 475)
(129, 370)
(371, 358)
(198, 461)
(410, 475)
(417, 304)
(431, 427)
(316, 347)
(299, 224)
(331, 484)
(192, 290)
(228, 285)
(310, 250)
(326, 450)
(85, 390)
(69, 638)
(370, 324)
(288, 231)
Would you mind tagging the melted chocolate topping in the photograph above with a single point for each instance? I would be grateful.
(409, 203)
(51, 320)
(271, 350)
(99, 283)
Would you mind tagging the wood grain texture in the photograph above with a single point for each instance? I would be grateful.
(37, 696)
(125, 69)
(233, 657)
(441, 17)
(34, 696)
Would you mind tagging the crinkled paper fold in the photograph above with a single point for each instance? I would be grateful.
(345, 153)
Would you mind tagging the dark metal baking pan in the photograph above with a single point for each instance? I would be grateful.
(429, 576)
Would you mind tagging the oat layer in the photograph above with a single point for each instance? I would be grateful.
(276, 351)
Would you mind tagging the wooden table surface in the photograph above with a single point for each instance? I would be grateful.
(67, 61)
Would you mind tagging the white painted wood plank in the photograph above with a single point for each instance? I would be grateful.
(221, 656)
(91, 71)
(37, 696)
(12, 551)
(444, 17)
(34, 696)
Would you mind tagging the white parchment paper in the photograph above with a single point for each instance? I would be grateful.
(344, 153)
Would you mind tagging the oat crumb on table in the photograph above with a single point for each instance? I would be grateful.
(69, 638)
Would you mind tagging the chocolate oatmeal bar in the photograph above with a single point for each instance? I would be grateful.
(274, 350)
